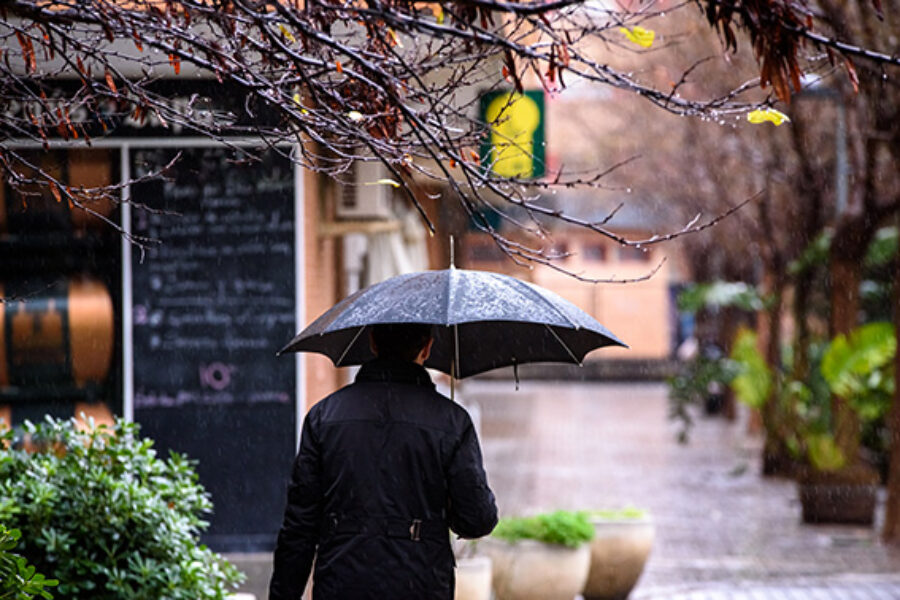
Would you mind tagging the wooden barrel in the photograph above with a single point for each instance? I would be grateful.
(58, 335)
(38, 208)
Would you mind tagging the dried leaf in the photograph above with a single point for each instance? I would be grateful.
(110, 83)
(27, 52)
(338, 67)
(176, 63)
(851, 72)
(54, 189)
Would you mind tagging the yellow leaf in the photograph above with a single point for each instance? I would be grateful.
(354, 115)
(638, 35)
(439, 14)
(297, 101)
(394, 38)
(287, 34)
(767, 114)
(389, 182)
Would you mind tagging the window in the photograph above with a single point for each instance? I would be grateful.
(633, 254)
(594, 251)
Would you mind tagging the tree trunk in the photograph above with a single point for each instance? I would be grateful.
(891, 530)
(845, 280)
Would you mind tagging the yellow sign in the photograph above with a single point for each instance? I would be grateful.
(515, 147)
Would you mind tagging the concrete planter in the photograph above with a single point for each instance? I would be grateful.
(532, 570)
(619, 551)
(473, 578)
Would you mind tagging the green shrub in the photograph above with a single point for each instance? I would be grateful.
(18, 579)
(107, 518)
(561, 527)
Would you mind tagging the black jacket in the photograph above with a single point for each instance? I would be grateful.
(385, 466)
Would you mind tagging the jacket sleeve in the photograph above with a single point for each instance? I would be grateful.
(295, 547)
(471, 510)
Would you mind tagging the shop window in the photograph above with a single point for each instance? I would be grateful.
(594, 251)
(559, 249)
(633, 254)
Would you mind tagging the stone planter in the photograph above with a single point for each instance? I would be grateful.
(532, 570)
(473, 578)
(845, 496)
(619, 551)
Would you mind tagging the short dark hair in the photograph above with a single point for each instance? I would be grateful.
(402, 341)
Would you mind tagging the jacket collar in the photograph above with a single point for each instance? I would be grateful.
(394, 371)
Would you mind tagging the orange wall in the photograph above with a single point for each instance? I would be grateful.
(321, 284)
(638, 313)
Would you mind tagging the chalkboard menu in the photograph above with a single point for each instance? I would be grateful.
(213, 300)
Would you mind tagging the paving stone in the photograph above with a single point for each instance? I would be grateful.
(723, 532)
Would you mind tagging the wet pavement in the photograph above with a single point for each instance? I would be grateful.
(722, 531)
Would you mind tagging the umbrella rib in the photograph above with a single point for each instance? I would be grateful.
(563, 344)
(350, 345)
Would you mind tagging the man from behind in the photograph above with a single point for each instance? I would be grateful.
(386, 466)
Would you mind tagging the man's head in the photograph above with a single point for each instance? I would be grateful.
(403, 341)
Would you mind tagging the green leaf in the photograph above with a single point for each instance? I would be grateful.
(735, 294)
(814, 255)
(753, 384)
(883, 248)
(824, 453)
(858, 367)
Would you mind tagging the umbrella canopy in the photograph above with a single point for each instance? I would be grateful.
(482, 321)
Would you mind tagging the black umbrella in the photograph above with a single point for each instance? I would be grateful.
(482, 321)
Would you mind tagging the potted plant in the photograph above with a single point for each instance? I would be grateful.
(622, 542)
(473, 571)
(101, 513)
(542, 557)
(857, 368)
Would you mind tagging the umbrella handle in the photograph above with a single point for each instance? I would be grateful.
(452, 379)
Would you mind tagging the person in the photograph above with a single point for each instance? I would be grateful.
(387, 466)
